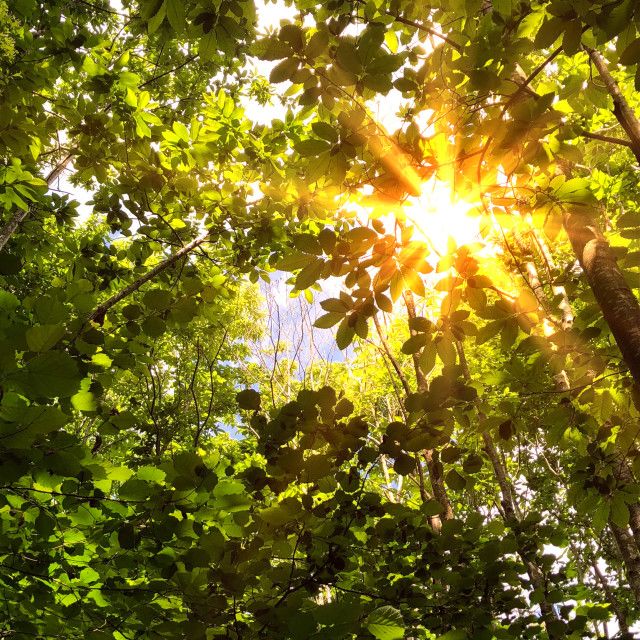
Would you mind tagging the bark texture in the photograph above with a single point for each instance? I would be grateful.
(621, 108)
(619, 305)
(630, 558)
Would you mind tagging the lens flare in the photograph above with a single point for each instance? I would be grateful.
(440, 217)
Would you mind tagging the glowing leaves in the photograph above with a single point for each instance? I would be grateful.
(385, 623)
(360, 240)
(84, 400)
(404, 271)
(575, 190)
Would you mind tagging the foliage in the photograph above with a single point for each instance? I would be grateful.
(468, 468)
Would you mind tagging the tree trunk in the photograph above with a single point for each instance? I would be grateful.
(630, 558)
(626, 477)
(616, 606)
(610, 290)
(621, 109)
(510, 506)
(619, 306)
(434, 466)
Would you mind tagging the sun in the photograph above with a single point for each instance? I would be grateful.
(440, 217)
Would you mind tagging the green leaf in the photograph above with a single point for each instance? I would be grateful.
(127, 536)
(335, 305)
(473, 463)
(505, 430)
(89, 575)
(175, 14)
(347, 57)
(455, 634)
(53, 374)
(446, 350)
(572, 37)
(84, 401)
(432, 508)
(311, 147)
(208, 46)
(44, 336)
(284, 70)
(345, 334)
(158, 299)
(292, 34)
(455, 481)
(385, 623)
(414, 343)
(549, 32)
(154, 23)
(631, 54)
(317, 44)
(309, 274)
(600, 516)
(575, 190)
(619, 511)
(384, 303)
(328, 320)
(293, 261)
(428, 358)
(44, 524)
(404, 464)
(151, 474)
(325, 131)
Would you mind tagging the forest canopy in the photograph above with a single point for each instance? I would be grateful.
(319, 319)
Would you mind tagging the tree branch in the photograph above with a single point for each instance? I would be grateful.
(98, 314)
